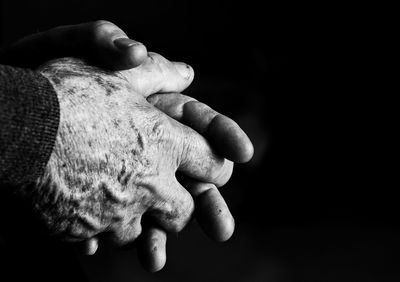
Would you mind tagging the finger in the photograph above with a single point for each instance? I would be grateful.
(196, 158)
(88, 247)
(102, 42)
(152, 249)
(224, 134)
(157, 74)
(212, 212)
(174, 206)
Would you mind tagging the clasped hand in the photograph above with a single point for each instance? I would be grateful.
(122, 138)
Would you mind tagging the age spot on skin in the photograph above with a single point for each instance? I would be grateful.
(157, 129)
(110, 88)
(65, 74)
(116, 122)
(122, 176)
(124, 180)
(139, 138)
(140, 142)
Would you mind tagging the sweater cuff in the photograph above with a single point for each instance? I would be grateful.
(29, 116)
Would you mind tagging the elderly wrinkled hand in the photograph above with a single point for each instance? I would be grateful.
(116, 156)
(122, 137)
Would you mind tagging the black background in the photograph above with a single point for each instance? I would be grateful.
(315, 203)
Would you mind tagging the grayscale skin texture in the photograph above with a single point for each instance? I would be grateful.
(115, 157)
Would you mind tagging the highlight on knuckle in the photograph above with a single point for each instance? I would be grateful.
(101, 24)
(176, 215)
(126, 234)
(158, 60)
(99, 28)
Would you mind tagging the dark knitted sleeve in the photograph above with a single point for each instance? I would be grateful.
(29, 118)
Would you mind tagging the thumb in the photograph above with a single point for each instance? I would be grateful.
(159, 75)
(101, 42)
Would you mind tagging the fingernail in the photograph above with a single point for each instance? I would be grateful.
(91, 246)
(183, 69)
(123, 43)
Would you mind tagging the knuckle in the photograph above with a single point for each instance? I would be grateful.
(77, 230)
(177, 225)
(77, 234)
(98, 29)
(159, 130)
(157, 58)
(165, 132)
(153, 57)
(126, 234)
(101, 24)
(176, 218)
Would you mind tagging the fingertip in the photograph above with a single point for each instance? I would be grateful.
(136, 54)
(159, 75)
(239, 148)
(111, 47)
(91, 246)
(227, 231)
(225, 135)
(158, 262)
(131, 53)
(155, 263)
(214, 216)
(88, 247)
(185, 71)
(152, 249)
(245, 151)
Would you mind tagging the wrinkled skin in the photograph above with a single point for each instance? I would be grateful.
(158, 80)
(116, 156)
